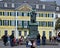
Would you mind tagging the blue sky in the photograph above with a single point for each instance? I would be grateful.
(58, 1)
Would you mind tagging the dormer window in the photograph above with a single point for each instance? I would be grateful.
(1, 0)
(12, 4)
(43, 7)
(24, 1)
(57, 8)
(5, 4)
(37, 6)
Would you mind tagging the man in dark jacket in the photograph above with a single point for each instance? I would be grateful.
(5, 39)
(38, 40)
(43, 39)
(11, 39)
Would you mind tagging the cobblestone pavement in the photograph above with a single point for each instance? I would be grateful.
(23, 46)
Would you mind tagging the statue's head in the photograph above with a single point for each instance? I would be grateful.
(33, 13)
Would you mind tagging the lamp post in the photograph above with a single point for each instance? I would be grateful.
(16, 31)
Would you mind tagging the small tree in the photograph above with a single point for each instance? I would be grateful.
(57, 25)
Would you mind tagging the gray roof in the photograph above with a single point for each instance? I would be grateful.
(49, 6)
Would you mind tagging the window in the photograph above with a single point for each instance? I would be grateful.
(43, 6)
(25, 14)
(25, 33)
(37, 6)
(5, 4)
(5, 13)
(50, 24)
(6, 32)
(0, 13)
(12, 13)
(25, 24)
(1, 0)
(19, 33)
(13, 5)
(44, 15)
(50, 15)
(19, 13)
(12, 22)
(0, 22)
(19, 23)
(57, 8)
(5, 22)
(44, 23)
(41, 14)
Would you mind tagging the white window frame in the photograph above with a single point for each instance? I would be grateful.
(57, 8)
(1, 0)
(12, 22)
(13, 5)
(37, 6)
(5, 4)
(43, 6)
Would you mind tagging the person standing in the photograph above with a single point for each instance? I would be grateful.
(8, 42)
(5, 39)
(43, 39)
(38, 40)
(11, 39)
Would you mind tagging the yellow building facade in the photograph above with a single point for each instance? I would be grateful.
(9, 28)
(8, 17)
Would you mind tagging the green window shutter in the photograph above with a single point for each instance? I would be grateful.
(22, 14)
(17, 14)
(17, 23)
(8, 13)
(46, 15)
(0, 13)
(42, 15)
(46, 24)
(28, 23)
(52, 15)
(27, 14)
(39, 15)
(8, 22)
(3, 13)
